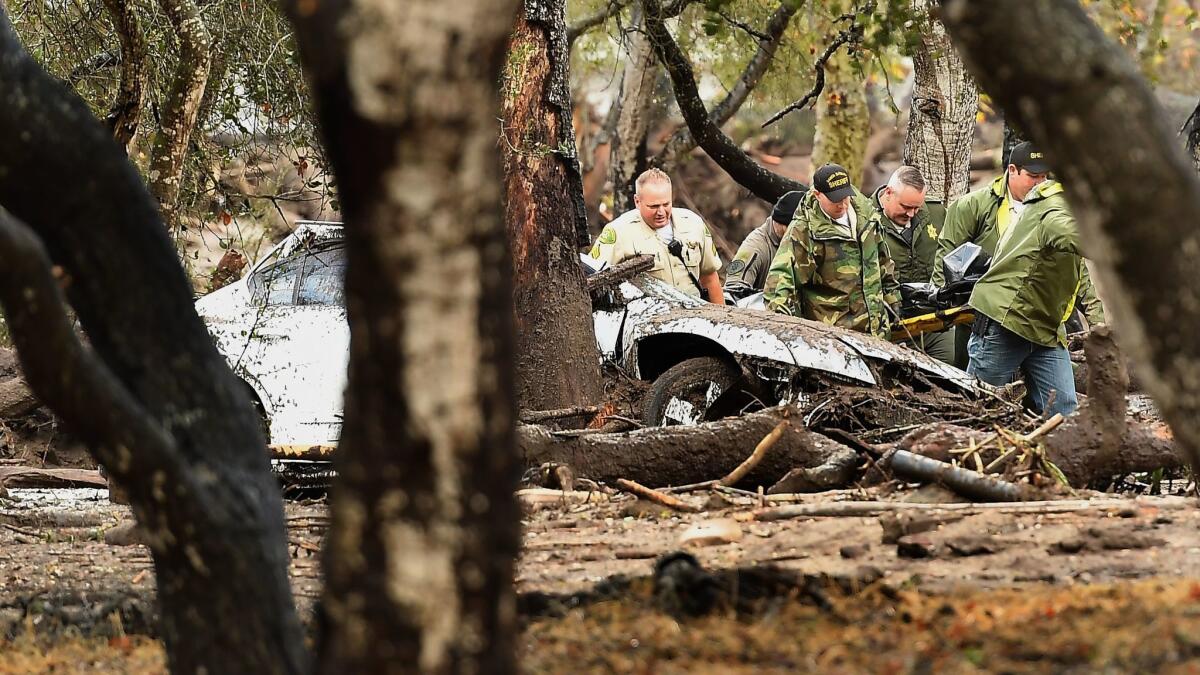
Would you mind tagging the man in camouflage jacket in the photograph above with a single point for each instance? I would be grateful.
(832, 265)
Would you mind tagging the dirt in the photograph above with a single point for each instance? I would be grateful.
(1009, 593)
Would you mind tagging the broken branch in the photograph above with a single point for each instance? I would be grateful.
(854, 33)
(755, 457)
(656, 496)
(539, 416)
(971, 484)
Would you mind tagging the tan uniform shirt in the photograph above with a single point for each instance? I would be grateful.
(629, 236)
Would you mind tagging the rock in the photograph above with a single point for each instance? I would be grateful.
(126, 534)
(641, 508)
(853, 551)
(712, 532)
(896, 525)
(973, 545)
(1072, 545)
(934, 494)
(717, 502)
(916, 546)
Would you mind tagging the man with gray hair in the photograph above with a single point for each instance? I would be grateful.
(910, 226)
(679, 240)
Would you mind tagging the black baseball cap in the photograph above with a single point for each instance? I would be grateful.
(785, 208)
(1027, 157)
(832, 181)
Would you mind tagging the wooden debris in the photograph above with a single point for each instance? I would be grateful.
(657, 497)
(712, 532)
(541, 416)
(30, 477)
(735, 476)
(541, 497)
(607, 278)
(965, 482)
(863, 509)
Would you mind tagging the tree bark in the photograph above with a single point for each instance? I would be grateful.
(941, 120)
(765, 185)
(843, 121)
(627, 149)
(557, 359)
(150, 394)
(425, 524)
(126, 109)
(181, 107)
(682, 455)
(1093, 94)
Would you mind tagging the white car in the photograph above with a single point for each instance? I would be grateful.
(283, 329)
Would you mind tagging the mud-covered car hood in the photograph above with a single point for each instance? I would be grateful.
(778, 337)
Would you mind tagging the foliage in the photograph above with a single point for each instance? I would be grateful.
(256, 107)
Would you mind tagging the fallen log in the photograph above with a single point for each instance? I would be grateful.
(29, 477)
(540, 416)
(864, 509)
(605, 279)
(680, 455)
(971, 484)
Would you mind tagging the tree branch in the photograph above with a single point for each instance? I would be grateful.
(126, 110)
(745, 27)
(579, 28)
(681, 142)
(764, 184)
(66, 375)
(852, 34)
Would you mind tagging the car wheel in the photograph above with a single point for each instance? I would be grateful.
(697, 390)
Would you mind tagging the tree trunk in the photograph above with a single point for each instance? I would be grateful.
(1092, 95)
(941, 120)
(557, 360)
(150, 394)
(126, 110)
(425, 525)
(627, 150)
(182, 104)
(843, 121)
(683, 455)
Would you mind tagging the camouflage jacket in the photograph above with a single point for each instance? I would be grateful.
(832, 273)
(747, 273)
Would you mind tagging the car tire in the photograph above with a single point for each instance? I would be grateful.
(697, 390)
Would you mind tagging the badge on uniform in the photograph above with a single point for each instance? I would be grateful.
(608, 236)
(736, 266)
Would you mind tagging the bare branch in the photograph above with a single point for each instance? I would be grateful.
(681, 141)
(587, 23)
(852, 34)
(97, 62)
(764, 184)
(745, 27)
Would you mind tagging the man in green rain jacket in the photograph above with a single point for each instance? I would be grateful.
(983, 215)
(832, 265)
(1021, 301)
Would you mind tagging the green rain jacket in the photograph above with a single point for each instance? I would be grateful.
(825, 272)
(974, 217)
(1036, 272)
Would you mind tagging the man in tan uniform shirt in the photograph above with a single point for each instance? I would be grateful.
(650, 229)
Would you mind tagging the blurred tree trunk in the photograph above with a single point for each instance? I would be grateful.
(126, 110)
(424, 530)
(843, 121)
(182, 105)
(557, 359)
(149, 394)
(1092, 95)
(941, 121)
(627, 156)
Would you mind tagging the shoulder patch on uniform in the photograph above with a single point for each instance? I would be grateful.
(608, 236)
(736, 266)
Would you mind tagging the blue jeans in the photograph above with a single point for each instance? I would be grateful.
(999, 353)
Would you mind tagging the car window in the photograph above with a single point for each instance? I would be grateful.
(321, 278)
(275, 283)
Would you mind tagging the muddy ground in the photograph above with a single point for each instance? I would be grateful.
(1114, 589)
